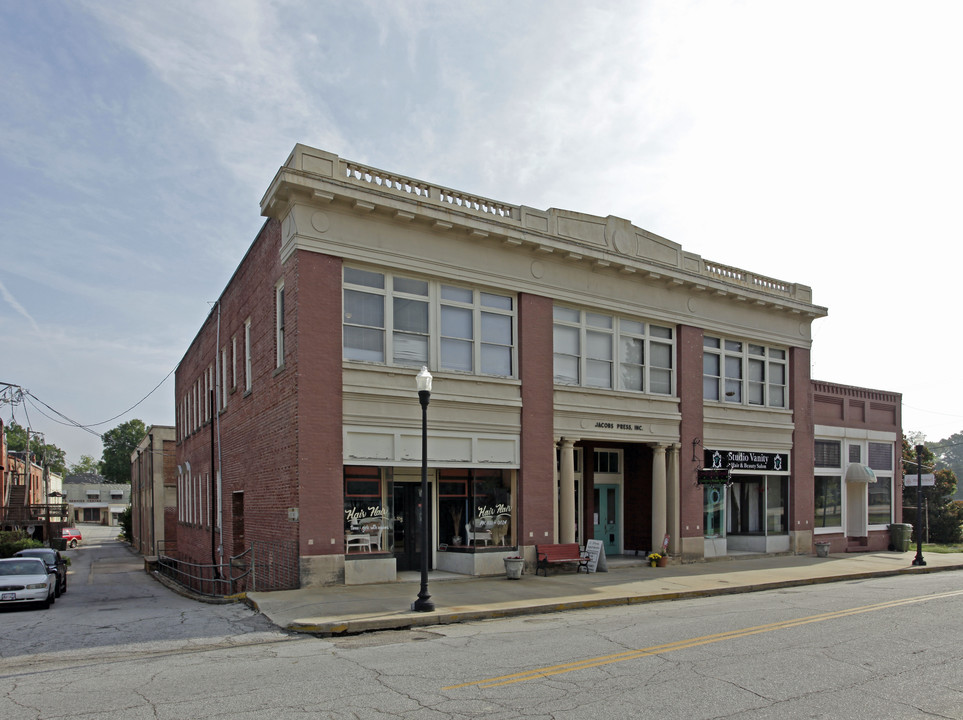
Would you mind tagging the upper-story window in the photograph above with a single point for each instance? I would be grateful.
(279, 322)
(603, 351)
(406, 321)
(247, 355)
(743, 373)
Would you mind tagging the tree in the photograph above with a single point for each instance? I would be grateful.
(949, 453)
(943, 516)
(50, 456)
(119, 443)
(87, 465)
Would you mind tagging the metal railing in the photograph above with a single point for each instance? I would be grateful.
(23, 514)
(263, 567)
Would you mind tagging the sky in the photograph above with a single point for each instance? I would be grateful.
(814, 142)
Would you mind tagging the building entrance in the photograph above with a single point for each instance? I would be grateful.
(607, 517)
(408, 512)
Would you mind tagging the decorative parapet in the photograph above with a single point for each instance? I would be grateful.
(426, 191)
(748, 279)
(316, 176)
(849, 391)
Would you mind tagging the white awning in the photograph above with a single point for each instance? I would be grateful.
(860, 473)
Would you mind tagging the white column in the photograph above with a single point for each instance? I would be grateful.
(673, 502)
(658, 496)
(555, 482)
(566, 499)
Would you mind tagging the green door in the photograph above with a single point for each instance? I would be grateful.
(607, 517)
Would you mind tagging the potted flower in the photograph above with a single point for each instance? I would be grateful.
(514, 566)
(656, 559)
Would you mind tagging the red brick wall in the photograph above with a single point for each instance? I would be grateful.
(854, 407)
(259, 429)
(314, 297)
(803, 504)
(536, 500)
(689, 385)
(862, 409)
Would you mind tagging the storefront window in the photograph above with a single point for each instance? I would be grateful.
(746, 504)
(881, 501)
(367, 512)
(757, 505)
(881, 491)
(475, 508)
(777, 493)
(714, 507)
(829, 501)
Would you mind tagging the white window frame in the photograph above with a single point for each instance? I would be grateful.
(593, 329)
(223, 384)
(247, 355)
(837, 473)
(481, 305)
(279, 320)
(847, 441)
(738, 362)
(883, 474)
(233, 362)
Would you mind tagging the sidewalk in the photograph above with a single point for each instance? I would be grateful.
(340, 609)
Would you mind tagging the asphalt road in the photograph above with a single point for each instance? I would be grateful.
(120, 645)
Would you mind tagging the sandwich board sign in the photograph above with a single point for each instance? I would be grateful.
(596, 553)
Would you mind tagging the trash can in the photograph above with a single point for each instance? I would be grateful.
(58, 543)
(899, 536)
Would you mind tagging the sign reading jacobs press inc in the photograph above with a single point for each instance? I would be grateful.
(746, 460)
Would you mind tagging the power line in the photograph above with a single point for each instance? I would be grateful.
(156, 387)
(22, 396)
(69, 422)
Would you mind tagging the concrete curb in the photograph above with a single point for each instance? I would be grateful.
(354, 626)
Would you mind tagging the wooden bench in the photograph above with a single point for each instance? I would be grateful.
(560, 554)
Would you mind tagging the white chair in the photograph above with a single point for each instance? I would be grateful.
(362, 541)
(374, 534)
(477, 535)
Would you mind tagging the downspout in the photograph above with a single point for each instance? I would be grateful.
(218, 504)
(213, 518)
(153, 508)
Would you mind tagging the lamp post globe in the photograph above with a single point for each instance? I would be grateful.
(423, 381)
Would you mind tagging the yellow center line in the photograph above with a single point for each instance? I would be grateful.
(559, 669)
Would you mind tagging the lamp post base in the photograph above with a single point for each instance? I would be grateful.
(423, 604)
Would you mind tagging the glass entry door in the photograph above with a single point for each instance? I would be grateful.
(607, 517)
(409, 511)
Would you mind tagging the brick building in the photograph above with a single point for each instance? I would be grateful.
(591, 380)
(153, 491)
(25, 500)
(858, 446)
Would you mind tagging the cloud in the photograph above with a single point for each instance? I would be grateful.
(17, 307)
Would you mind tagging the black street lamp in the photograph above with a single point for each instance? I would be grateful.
(424, 603)
(918, 560)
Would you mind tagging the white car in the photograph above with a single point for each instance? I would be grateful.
(26, 580)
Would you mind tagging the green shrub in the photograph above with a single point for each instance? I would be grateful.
(126, 525)
(945, 524)
(12, 541)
